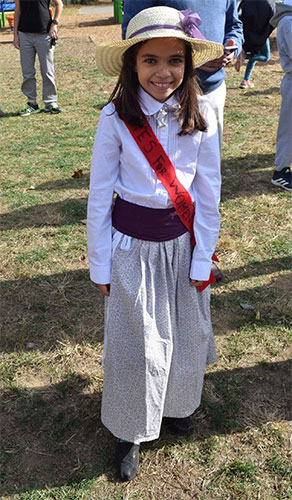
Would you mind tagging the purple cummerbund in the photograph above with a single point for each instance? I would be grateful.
(144, 223)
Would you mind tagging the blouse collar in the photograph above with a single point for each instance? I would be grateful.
(149, 105)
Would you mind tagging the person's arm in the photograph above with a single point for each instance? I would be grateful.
(131, 8)
(206, 190)
(233, 27)
(53, 32)
(103, 176)
(286, 38)
(16, 22)
(233, 31)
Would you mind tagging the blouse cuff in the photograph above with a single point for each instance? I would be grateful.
(100, 274)
(200, 270)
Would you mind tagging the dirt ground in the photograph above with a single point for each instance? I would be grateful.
(99, 27)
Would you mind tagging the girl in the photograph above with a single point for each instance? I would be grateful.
(158, 335)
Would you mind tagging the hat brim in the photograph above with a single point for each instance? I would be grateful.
(109, 55)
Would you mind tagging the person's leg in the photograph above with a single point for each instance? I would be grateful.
(217, 101)
(265, 53)
(282, 174)
(251, 62)
(27, 60)
(46, 58)
(249, 68)
(262, 56)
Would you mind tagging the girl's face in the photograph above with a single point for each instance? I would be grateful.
(160, 65)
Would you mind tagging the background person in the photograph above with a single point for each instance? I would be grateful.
(282, 20)
(255, 16)
(35, 32)
(158, 329)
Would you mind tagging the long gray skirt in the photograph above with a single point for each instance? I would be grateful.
(158, 338)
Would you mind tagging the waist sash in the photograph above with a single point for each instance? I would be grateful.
(144, 223)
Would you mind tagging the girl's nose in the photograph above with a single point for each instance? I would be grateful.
(163, 71)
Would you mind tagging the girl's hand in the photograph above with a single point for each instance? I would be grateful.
(196, 283)
(104, 289)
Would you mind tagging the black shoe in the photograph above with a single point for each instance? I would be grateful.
(53, 108)
(218, 275)
(127, 460)
(182, 426)
(283, 178)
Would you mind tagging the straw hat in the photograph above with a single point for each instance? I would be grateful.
(158, 22)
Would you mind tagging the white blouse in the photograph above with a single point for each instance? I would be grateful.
(118, 165)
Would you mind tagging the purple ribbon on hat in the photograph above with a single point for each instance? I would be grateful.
(190, 22)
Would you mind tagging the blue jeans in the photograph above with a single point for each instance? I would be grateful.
(263, 56)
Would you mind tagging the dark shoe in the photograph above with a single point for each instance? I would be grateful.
(127, 460)
(283, 178)
(53, 108)
(182, 426)
(30, 109)
(218, 275)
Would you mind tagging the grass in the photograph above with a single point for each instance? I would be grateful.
(53, 445)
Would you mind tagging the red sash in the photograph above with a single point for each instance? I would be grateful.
(165, 171)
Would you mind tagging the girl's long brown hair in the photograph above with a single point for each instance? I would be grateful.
(127, 105)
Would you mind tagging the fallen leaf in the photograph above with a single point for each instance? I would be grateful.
(77, 174)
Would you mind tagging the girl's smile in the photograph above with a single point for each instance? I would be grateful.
(160, 65)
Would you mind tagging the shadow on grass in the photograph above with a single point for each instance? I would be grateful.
(259, 268)
(9, 115)
(99, 22)
(53, 436)
(47, 309)
(248, 176)
(70, 211)
(69, 183)
(259, 91)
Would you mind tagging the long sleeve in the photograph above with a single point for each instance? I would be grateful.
(284, 42)
(103, 176)
(233, 26)
(206, 189)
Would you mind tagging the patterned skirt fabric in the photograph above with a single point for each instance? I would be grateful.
(158, 338)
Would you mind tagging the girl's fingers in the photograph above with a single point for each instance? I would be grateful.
(196, 283)
(104, 289)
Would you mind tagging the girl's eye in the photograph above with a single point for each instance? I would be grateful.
(150, 60)
(177, 60)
